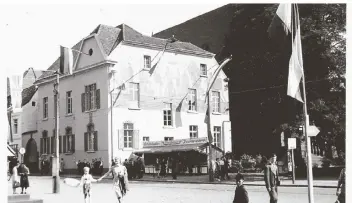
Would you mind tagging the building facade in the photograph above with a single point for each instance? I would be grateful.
(156, 87)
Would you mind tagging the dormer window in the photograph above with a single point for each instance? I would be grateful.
(147, 62)
(203, 70)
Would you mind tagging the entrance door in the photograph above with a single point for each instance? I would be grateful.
(31, 158)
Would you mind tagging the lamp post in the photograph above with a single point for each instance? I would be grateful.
(210, 138)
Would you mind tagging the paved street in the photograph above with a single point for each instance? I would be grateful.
(41, 187)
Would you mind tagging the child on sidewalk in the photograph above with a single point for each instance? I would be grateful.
(241, 194)
(86, 181)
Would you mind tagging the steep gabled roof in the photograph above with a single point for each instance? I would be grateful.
(109, 37)
(27, 94)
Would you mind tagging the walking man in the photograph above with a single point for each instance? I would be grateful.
(271, 178)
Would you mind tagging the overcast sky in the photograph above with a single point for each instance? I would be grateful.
(32, 34)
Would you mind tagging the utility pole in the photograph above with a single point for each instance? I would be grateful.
(210, 137)
(56, 158)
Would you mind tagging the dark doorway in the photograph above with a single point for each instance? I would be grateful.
(31, 157)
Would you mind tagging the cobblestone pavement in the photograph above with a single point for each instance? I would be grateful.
(41, 187)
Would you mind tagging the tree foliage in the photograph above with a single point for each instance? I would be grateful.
(259, 71)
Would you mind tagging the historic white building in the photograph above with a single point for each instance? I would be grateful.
(157, 96)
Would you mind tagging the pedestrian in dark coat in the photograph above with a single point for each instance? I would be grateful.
(241, 194)
(23, 171)
(271, 178)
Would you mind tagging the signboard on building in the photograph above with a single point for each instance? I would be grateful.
(291, 142)
(22, 150)
(175, 142)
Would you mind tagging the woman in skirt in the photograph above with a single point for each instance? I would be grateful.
(14, 177)
(23, 171)
(120, 179)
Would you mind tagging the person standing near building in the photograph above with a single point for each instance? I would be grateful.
(14, 176)
(157, 167)
(271, 178)
(62, 166)
(341, 188)
(23, 171)
(241, 194)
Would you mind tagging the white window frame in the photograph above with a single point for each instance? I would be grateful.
(15, 126)
(146, 139)
(193, 131)
(215, 98)
(45, 107)
(134, 90)
(167, 115)
(90, 97)
(203, 70)
(168, 138)
(147, 62)
(69, 102)
(128, 135)
(217, 136)
(192, 99)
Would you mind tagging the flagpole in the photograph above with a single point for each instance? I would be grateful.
(306, 119)
(210, 138)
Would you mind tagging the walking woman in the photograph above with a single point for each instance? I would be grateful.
(23, 171)
(120, 179)
(14, 177)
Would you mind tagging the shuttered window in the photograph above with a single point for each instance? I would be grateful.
(68, 141)
(91, 139)
(90, 99)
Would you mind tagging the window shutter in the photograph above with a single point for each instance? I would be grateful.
(85, 141)
(73, 143)
(64, 142)
(136, 139)
(97, 97)
(47, 145)
(60, 144)
(121, 139)
(96, 141)
(51, 145)
(41, 145)
(83, 102)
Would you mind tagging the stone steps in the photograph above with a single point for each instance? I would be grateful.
(22, 198)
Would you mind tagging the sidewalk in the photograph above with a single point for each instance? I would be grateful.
(250, 180)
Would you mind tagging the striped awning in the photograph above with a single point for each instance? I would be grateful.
(10, 151)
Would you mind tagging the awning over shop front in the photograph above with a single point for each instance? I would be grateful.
(185, 145)
(10, 151)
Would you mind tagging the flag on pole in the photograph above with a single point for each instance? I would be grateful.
(66, 60)
(178, 120)
(286, 23)
(152, 69)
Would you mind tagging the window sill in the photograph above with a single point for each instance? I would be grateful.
(68, 153)
(69, 115)
(90, 151)
(45, 119)
(216, 113)
(168, 127)
(203, 76)
(137, 108)
(127, 149)
(92, 110)
(194, 112)
(146, 69)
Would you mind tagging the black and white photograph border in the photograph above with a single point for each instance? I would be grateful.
(188, 101)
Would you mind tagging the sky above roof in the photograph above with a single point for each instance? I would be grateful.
(32, 34)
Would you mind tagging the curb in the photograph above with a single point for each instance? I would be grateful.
(208, 183)
(228, 183)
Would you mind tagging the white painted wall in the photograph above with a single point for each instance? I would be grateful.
(29, 115)
(168, 83)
